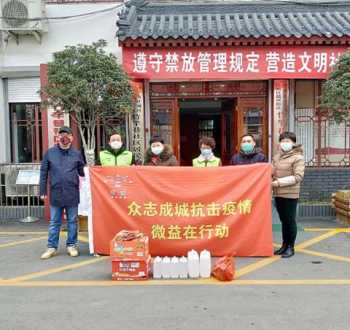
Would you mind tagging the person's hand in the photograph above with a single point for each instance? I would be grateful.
(43, 197)
(275, 184)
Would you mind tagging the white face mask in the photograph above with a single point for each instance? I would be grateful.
(286, 146)
(157, 150)
(116, 144)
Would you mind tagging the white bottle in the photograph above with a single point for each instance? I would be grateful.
(166, 267)
(174, 267)
(205, 264)
(193, 264)
(183, 267)
(157, 267)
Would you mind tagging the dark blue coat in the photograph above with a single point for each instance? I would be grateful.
(63, 167)
(244, 159)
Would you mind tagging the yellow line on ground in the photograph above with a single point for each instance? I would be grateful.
(26, 241)
(315, 240)
(56, 270)
(338, 229)
(255, 266)
(83, 239)
(296, 282)
(325, 255)
(265, 262)
(14, 233)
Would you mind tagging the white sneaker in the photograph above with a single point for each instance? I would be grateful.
(72, 251)
(50, 252)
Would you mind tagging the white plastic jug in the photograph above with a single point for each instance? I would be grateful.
(193, 264)
(174, 267)
(205, 264)
(183, 266)
(157, 267)
(166, 267)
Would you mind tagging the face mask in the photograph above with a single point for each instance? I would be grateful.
(286, 146)
(206, 153)
(65, 140)
(247, 147)
(157, 150)
(116, 144)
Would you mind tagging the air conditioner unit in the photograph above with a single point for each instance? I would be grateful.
(23, 16)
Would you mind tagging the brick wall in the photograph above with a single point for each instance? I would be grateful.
(320, 183)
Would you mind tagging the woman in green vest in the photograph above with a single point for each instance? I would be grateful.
(115, 154)
(207, 157)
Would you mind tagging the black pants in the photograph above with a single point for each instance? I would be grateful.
(287, 210)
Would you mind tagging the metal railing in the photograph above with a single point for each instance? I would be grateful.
(14, 198)
(325, 142)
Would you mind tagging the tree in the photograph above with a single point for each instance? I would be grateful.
(91, 86)
(336, 91)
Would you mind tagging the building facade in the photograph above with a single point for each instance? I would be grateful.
(230, 68)
(23, 138)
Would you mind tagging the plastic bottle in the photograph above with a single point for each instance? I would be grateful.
(193, 264)
(166, 267)
(205, 264)
(157, 267)
(174, 267)
(183, 267)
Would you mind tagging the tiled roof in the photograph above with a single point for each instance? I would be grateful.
(228, 19)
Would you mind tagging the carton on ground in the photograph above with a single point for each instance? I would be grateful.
(131, 269)
(129, 245)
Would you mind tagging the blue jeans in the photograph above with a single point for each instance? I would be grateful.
(56, 222)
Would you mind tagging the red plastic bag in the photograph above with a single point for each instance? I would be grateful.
(224, 269)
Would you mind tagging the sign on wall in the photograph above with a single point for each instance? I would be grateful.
(231, 63)
(137, 123)
(56, 118)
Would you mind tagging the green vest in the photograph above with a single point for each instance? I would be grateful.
(209, 163)
(108, 159)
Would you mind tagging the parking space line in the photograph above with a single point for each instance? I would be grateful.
(316, 239)
(26, 241)
(265, 262)
(296, 282)
(83, 239)
(50, 271)
(256, 265)
(325, 255)
(239, 273)
(14, 233)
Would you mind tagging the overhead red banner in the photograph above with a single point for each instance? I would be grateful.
(225, 210)
(232, 63)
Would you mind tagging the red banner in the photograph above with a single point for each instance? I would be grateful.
(232, 63)
(225, 210)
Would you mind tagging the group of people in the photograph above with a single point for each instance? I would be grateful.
(65, 165)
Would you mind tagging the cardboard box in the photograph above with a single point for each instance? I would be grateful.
(343, 194)
(136, 248)
(130, 269)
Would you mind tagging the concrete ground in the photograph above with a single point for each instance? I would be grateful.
(309, 291)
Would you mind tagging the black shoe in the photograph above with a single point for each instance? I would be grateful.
(281, 250)
(289, 252)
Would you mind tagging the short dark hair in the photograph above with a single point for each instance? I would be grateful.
(251, 135)
(207, 141)
(288, 135)
(65, 129)
(156, 138)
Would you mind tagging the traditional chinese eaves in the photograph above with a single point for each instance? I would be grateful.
(232, 20)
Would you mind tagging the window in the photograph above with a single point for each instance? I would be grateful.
(325, 143)
(26, 132)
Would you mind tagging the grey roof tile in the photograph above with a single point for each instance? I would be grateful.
(225, 20)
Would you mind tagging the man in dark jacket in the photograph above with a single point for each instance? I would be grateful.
(63, 165)
(248, 153)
